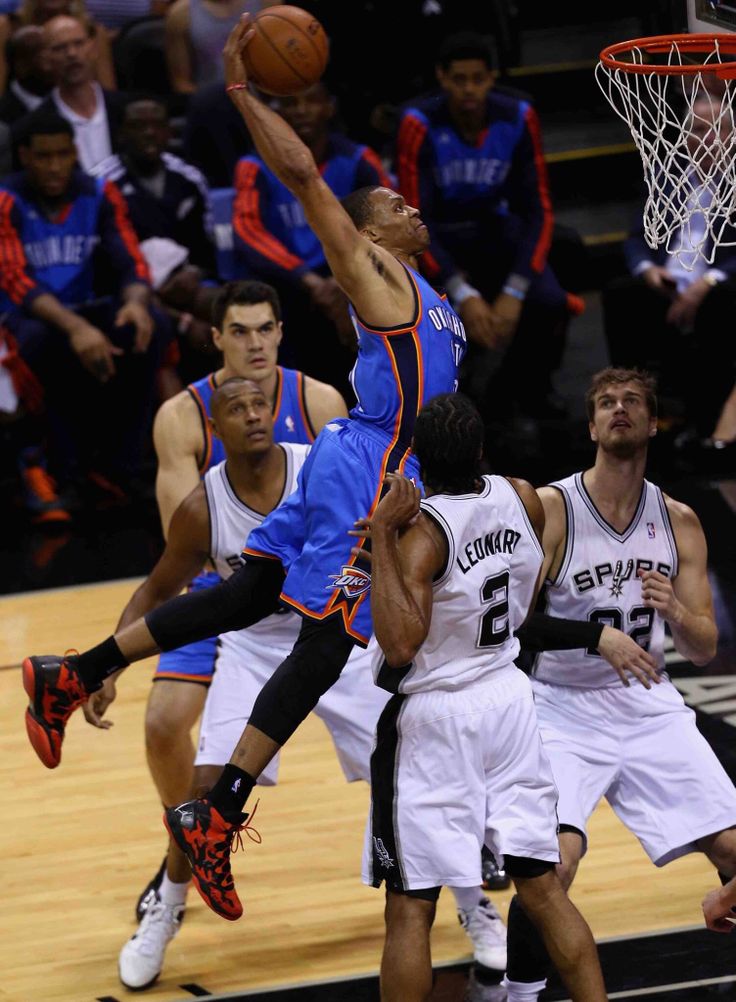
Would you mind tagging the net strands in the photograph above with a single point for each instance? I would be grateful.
(681, 116)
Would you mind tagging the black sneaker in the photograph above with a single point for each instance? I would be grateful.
(495, 878)
(148, 894)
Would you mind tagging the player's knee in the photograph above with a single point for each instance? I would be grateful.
(536, 882)
(171, 712)
(410, 910)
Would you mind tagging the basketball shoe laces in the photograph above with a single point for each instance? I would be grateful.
(236, 839)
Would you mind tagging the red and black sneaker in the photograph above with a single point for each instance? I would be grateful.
(55, 691)
(206, 839)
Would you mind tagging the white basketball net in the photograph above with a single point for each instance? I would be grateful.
(683, 126)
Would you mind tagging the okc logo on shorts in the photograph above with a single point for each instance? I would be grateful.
(353, 581)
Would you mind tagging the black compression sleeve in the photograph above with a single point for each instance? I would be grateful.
(251, 594)
(548, 633)
(314, 665)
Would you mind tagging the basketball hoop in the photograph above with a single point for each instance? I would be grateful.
(676, 93)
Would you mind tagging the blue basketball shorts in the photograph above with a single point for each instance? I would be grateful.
(340, 482)
(195, 662)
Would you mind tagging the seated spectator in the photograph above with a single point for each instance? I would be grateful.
(115, 14)
(38, 12)
(215, 136)
(196, 32)
(30, 80)
(169, 207)
(93, 112)
(470, 159)
(277, 245)
(671, 314)
(94, 350)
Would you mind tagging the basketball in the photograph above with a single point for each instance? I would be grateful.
(288, 52)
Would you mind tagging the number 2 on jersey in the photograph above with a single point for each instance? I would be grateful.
(494, 623)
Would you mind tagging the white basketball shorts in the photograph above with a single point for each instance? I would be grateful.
(452, 771)
(641, 750)
(244, 664)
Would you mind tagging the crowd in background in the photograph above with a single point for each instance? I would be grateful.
(129, 192)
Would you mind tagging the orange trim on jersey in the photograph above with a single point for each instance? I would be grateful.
(371, 157)
(182, 677)
(300, 390)
(539, 257)
(207, 431)
(247, 221)
(259, 553)
(279, 391)
(323, 615)
(411, 136)
(14, 278)
(125, 229)
(420, 370)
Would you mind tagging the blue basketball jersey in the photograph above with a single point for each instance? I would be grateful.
(290, 418)
(399, 369)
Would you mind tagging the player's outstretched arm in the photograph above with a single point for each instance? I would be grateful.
(685, 603)
(362, 269)
(407, 553)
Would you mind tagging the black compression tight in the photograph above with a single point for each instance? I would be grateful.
(251, 594)
(293, 690)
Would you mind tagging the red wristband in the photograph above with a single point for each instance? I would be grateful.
(236, 86)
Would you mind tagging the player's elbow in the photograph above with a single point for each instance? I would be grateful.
(399, 655)
(299, 173)
(705, 654)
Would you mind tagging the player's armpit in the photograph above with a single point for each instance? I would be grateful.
(554, 538)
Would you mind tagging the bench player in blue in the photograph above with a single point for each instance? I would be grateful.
(410, 345)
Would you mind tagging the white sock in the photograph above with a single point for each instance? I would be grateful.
(467, 898)
(522, 991)
(173, 894)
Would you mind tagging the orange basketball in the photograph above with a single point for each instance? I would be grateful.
(288, 52)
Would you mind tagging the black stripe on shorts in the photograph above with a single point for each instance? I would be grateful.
(385, 865)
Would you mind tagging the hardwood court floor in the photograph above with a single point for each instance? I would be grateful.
(78, 844)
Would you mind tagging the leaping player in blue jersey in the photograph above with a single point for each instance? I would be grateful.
(410, 343)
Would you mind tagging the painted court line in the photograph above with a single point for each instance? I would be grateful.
(680, 986)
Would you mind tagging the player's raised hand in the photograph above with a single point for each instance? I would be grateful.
(626, 657)
(398, 506)
(232, 54)
(717, 911)
(657, 592)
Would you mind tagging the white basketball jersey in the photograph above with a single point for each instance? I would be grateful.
(598, 581)
(482, 595)
(231, 522)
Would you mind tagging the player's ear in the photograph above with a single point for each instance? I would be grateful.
(280, 327)
(593, 432)
(440, 74)
(216, 337)
(652, 427)
(211, 421)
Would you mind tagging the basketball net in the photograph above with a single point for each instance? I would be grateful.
(676, 93)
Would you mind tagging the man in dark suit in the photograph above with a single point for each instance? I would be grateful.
(94, 114)
(671, 313)
(30, 80)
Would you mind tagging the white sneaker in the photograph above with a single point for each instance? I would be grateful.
(487, 933)
(142, 957)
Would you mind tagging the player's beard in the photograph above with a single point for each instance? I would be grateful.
(623, 449)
